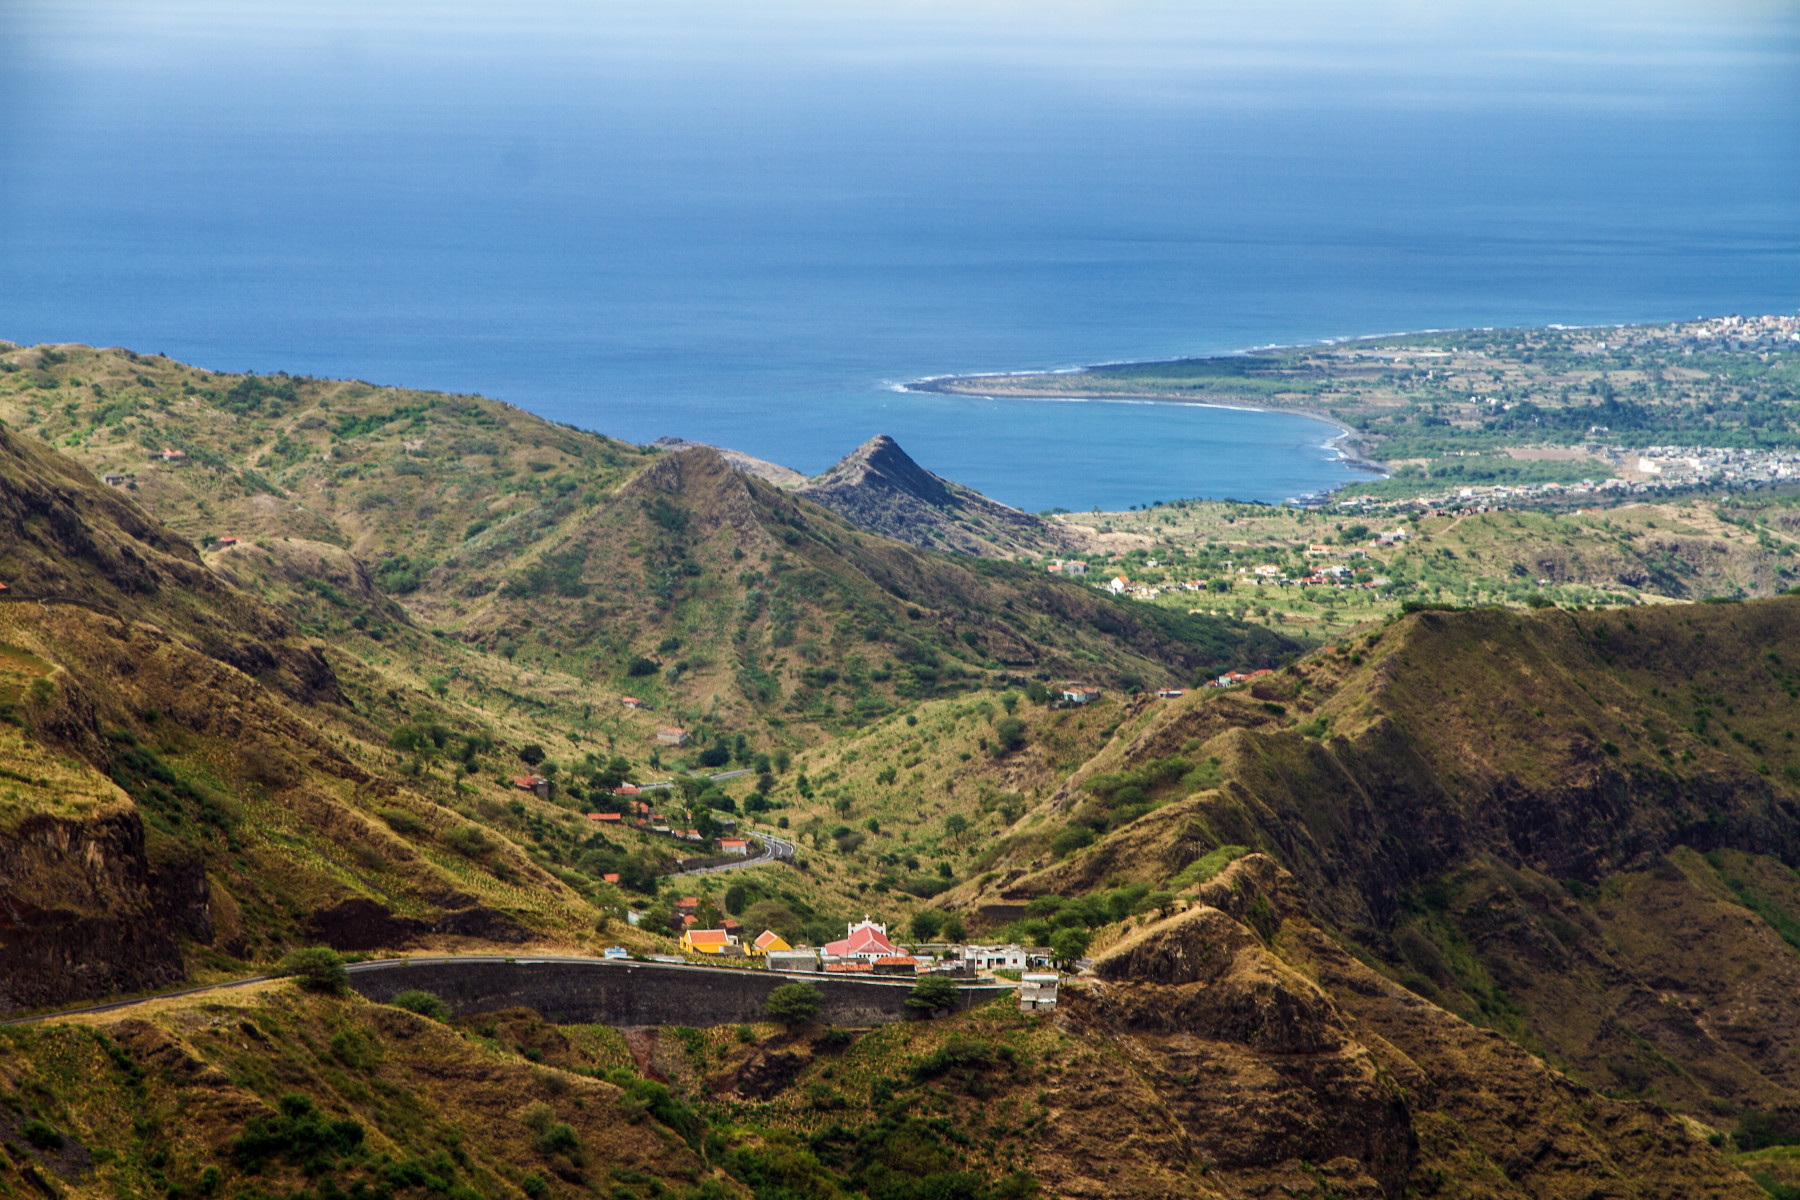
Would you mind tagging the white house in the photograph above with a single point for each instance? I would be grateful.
(1118, 585)
(992, 958)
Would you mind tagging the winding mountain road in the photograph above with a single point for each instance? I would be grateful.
(774, 850)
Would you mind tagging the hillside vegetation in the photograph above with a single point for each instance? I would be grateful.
(1492, 902)
(1577, 829)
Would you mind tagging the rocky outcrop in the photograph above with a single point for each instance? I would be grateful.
(86, 909)
(879, 487)
(1253, 1058)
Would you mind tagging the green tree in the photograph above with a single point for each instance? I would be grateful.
(1009, 735)
(955, 825)
(953, 930)
(926, 924)
(1068, 945)
(793, 1004)
(317, 969)
(932, 994)
(773, 914)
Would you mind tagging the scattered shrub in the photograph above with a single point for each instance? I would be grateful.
(43, 1135)
(300, 1134)
(793, 1004)
(426, 1004)
(932, 994)
(317, 969)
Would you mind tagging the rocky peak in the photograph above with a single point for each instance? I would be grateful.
(881, 463)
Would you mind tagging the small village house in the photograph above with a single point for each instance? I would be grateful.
(673, 735)
(708, 941)
(631, 702)
(767, 942)
(1079, 693)
(1010, 957)
(1037, 992)
(737, 846)
(792, 960)
(535, 784)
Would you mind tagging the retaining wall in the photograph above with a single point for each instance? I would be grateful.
(622, 992)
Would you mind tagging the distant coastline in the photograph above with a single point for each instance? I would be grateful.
(1347, 443)
(1502, 412)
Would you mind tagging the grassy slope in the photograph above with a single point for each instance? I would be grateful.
(1573, 827)
(363, 598)
(520, 538)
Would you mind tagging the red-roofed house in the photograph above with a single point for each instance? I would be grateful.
(896, 964)
(614, 818)
(532, 783)
(687, 904)
(610, 877)
(868, 941)
(707, 941)
(631, 702)
(769, 940)
(674, 735)
(850, 968)
(734, 845)
(632, 789)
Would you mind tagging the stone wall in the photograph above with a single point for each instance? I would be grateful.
(622, 992)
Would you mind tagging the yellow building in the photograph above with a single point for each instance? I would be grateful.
(706, 941)
(768, 940)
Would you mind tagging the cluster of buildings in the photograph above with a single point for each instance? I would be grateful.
(639, 815)
(1233, 678)
(1769, 333)
(865, 949)
(1691, 466)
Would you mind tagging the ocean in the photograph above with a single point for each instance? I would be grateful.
(749, 224)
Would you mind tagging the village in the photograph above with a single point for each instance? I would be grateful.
(866, 951)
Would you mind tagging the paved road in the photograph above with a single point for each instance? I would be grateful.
(663, 785)
(774, 850)
(386, 964)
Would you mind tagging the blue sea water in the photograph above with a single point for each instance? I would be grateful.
(745, 223)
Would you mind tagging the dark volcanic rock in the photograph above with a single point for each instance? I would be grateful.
(879, 487)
